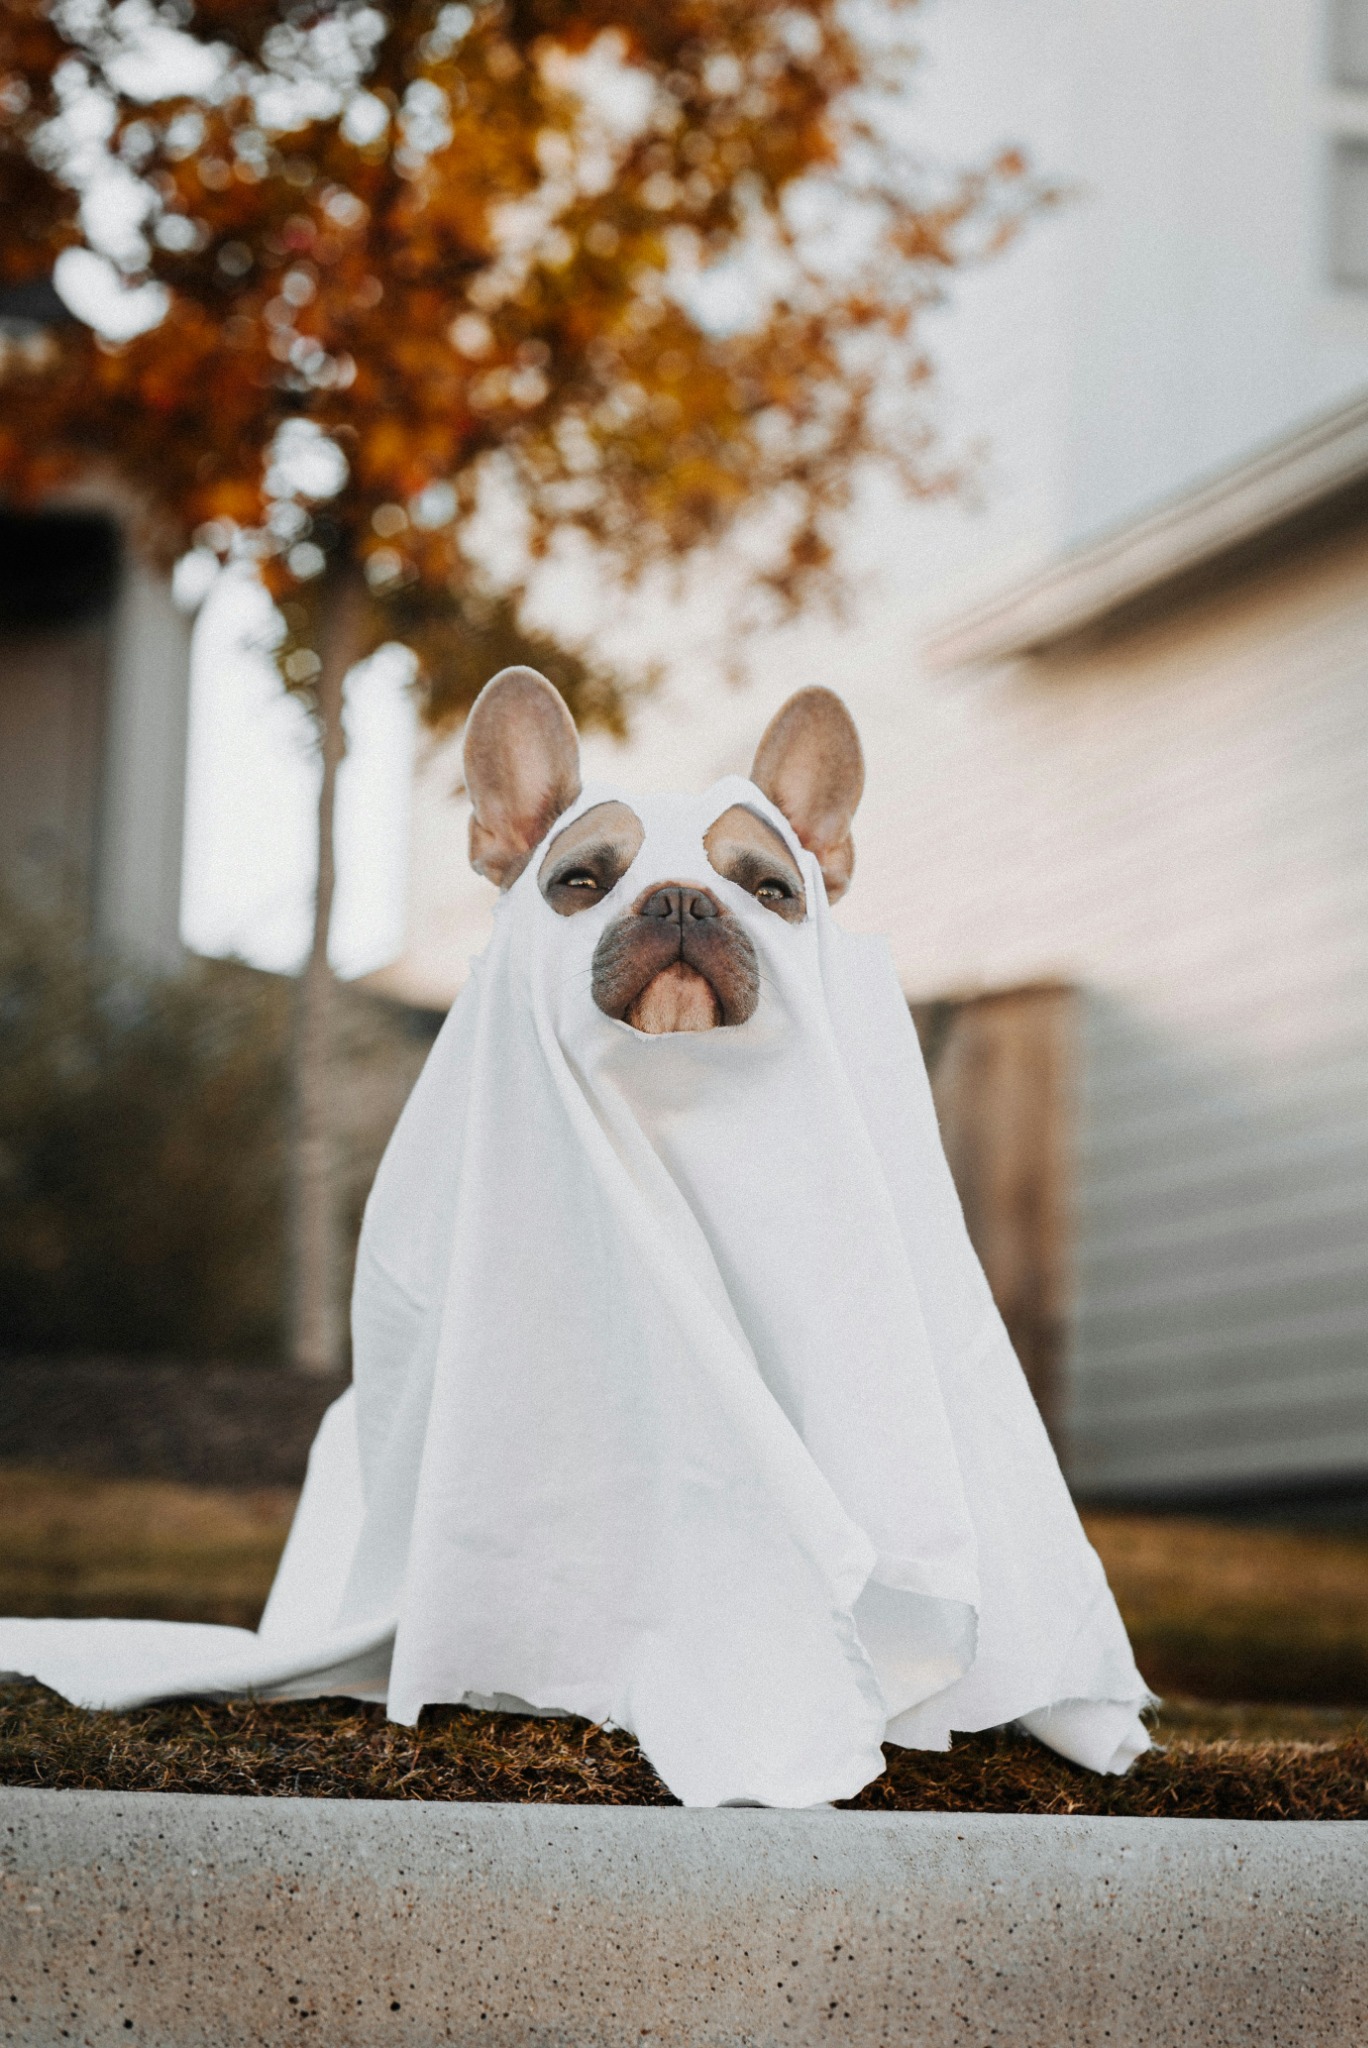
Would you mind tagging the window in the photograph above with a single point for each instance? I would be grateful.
(1349, 45)
(56, 568)
(1349, 214)
(1346, 169)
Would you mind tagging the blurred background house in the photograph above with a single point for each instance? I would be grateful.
(1151, 785)
(94, 695)
(1159, 791)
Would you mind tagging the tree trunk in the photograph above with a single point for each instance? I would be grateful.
(316, 1322)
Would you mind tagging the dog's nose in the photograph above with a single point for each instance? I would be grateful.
(679, 905)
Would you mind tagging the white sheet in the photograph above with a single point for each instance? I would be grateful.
(680, 1399)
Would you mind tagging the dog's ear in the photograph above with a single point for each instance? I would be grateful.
(809, 764)
(521, 769)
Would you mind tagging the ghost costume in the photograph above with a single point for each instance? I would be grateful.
(680, 1399)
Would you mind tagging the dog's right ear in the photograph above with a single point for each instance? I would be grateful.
(521, 769)
(810, 766)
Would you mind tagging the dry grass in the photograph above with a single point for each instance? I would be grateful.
(1228, 1779)
(337, 1749)
(1232, 1612)
(75, 1545)
(1275, 1619)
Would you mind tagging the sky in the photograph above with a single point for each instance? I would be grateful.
(252, 794)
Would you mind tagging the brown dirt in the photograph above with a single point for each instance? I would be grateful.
(337, 1749)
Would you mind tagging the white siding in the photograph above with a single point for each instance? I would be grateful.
(1177, 819)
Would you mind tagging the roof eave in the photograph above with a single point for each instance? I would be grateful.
(1275, 486)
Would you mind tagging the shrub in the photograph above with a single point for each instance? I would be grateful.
(142, 1132)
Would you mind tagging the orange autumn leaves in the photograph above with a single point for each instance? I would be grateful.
(447, 236)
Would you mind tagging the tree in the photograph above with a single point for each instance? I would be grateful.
(404, 259)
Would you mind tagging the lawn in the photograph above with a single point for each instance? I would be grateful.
(1257, 1637)
(75, 1545)
(1230, 1612)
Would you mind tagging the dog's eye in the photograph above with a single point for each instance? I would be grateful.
(773, 891)
(578, 878)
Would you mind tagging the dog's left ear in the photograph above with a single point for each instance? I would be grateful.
(809, 764)
(521, 769)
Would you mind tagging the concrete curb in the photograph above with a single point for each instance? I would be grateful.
(191, 1922)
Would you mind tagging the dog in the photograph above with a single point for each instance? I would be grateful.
(680, 1399)
(676, 959)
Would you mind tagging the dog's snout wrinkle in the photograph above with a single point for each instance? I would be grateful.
(678, 960)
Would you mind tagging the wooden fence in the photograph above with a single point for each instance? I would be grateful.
(1002, 1075)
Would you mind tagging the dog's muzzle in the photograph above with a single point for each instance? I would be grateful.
(677, 930)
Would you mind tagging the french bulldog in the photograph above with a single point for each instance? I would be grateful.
(675, 959)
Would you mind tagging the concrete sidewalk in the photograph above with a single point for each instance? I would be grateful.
(187, 1921)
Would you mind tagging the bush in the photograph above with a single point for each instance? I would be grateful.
(142, 1142)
